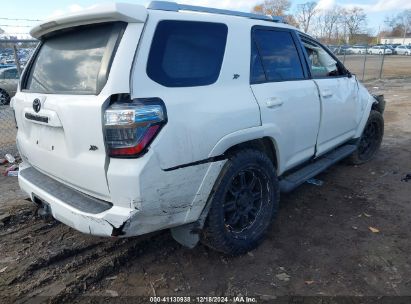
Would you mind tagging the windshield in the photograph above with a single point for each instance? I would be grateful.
(74, 61)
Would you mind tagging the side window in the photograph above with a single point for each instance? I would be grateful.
(187, 54)
(322, 64)
(257, 70)
(279, 55)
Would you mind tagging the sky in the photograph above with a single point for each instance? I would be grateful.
(377, 10)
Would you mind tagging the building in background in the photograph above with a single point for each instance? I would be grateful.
(395, 40)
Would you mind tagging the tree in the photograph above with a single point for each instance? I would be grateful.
(331, 23)
(276, 8)
(400, 24)
(304, 14)
(273, 7)
(355, 21)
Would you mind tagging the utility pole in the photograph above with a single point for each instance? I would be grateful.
(17, 60)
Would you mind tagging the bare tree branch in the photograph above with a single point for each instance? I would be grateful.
(304, 14)
(276, 8)
(355, 21)
(273, 7)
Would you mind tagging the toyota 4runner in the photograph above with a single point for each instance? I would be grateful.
(133, 120)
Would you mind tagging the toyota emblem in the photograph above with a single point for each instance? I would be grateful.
(36, 105)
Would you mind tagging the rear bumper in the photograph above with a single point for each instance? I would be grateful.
(73, 208)
(144, 197)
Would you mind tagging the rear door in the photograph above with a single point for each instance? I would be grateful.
(59, 109)
(288, 100)
(339, 99)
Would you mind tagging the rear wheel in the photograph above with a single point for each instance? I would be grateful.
(4, 98)
(244, 203)
(370, 140)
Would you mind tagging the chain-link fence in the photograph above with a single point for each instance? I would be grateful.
(7, 131)
(14, 55)
(375, 62)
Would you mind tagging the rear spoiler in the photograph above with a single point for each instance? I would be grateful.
(130, 13)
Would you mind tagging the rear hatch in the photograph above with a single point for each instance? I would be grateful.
(60, 106)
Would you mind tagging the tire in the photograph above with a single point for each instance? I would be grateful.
(370, 140)
(4, 98)
(243, 205)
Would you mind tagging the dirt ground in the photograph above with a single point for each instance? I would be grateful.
(321, 244)
(395, 66)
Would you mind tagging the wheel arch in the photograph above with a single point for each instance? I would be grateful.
(266, 138)
(372, 102)
(266, 145)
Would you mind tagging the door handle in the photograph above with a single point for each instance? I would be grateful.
(274, 102)
(327, 93)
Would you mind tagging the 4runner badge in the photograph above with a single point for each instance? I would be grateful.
(36, 105)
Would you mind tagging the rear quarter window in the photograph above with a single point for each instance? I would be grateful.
(186, 53)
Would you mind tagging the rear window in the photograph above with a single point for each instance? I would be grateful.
(187, 54)
(75, 61)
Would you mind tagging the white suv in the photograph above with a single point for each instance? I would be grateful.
(380, 50)
(133, 119)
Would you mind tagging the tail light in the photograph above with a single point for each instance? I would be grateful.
(130, 127)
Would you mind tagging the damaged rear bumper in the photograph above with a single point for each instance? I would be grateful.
(73, 208)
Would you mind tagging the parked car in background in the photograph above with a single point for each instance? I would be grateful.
(392, 48)
(9, 79)
(343, 49)
(358, 49)
(380, 49)
(403, 50)
(3, 66)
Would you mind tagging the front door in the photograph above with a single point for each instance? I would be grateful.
(338, 91)
(288, 99)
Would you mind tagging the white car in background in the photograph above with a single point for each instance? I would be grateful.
(358, 49)
(379, 50)
(403, 50)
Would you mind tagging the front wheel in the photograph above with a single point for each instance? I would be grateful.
(4, 98)
(370, 140)
(243, 205)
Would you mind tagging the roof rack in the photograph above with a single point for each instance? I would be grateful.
(175, 7)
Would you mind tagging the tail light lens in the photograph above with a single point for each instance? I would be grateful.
(130, 127)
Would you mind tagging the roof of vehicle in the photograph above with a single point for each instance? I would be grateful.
(7, 69)
(135, 13)
(176, 7)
